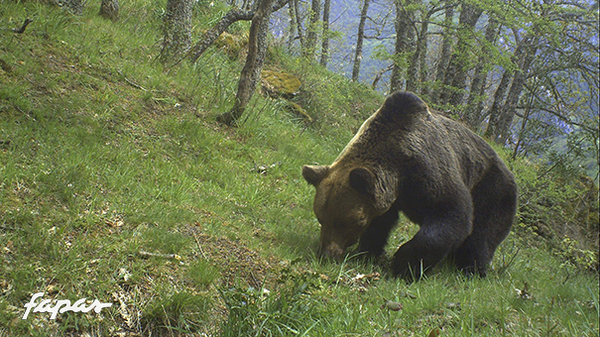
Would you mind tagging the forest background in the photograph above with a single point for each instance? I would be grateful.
(523, 73)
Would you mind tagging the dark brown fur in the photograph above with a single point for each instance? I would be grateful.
(438, 173)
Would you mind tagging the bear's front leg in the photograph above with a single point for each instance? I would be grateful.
(434, 241)
(375, 237)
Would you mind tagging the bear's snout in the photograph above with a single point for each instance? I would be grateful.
(332, 250)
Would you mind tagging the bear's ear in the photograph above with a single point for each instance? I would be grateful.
(314, 174)
(363, 181)
(381, 189)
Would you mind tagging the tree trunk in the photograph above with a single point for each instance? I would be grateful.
(359, 40)
(455, 79)
(413, 74)
(444, 58)
(498, 102)
(110, 9)
(257, 49)
(311, 36)
(474, 112)
(502, 133)
(230, 18)
(405, 34)
(293, 34)
(177, 29)
(299, 23)
(502, 113)
(325, 44)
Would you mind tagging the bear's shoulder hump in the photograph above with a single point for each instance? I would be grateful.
(402, 104)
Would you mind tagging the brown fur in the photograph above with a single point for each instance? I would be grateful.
(438, 173)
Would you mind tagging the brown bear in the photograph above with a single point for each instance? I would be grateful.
(406, 158)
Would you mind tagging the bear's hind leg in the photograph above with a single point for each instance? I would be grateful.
(375, 237)
(473, 256)
(495, 204)
(437, 237)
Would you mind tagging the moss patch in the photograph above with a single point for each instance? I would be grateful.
(232, 44)
(279, 84)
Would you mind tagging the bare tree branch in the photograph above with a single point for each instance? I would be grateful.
(23, 27)
(234, 15)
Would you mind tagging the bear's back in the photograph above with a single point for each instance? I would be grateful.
(405, 132)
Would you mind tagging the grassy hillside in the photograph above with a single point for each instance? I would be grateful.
(116, 184)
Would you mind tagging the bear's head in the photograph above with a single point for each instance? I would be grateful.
(346, 201)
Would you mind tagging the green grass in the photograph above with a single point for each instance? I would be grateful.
(104, 155)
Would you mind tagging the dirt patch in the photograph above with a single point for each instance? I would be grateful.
(236, 262)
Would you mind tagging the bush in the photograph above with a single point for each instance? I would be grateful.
(561, 212)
